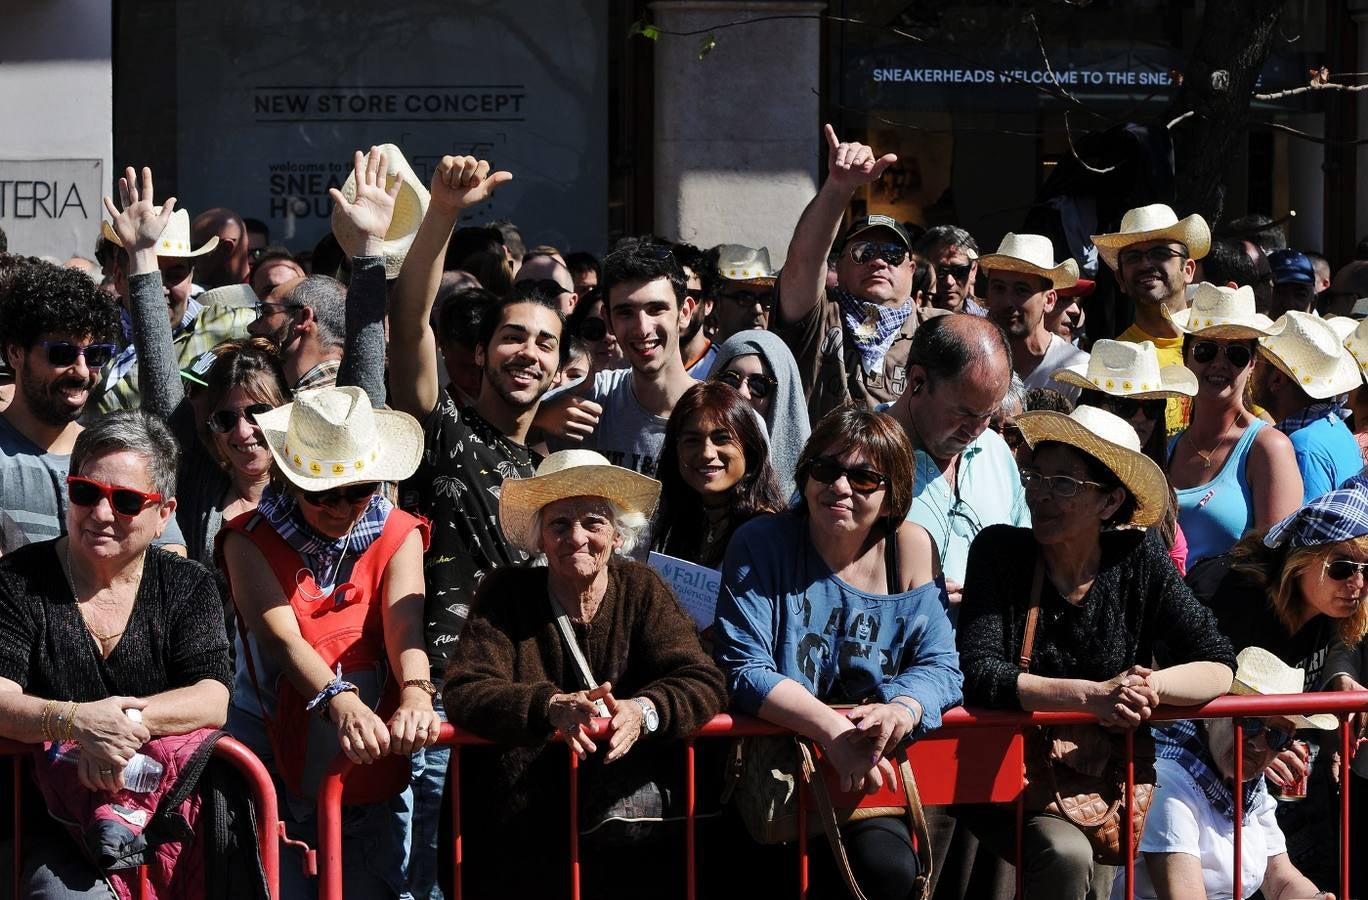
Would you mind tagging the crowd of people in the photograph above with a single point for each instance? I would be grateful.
(426, 474)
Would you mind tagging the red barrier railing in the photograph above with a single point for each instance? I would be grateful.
(228, 749)
(987, 769)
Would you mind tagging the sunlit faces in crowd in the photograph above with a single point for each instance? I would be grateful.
(955, 273)
(104, 518)
(1071, 495)
(578, 535)
(751, 377)
(646, 317)
(1222, 367)
(876, 265)
(741, 306)
(711, 458)
(1017, 302)
(57, 374)
(524, 354)
(1153, 271)
(844, 492)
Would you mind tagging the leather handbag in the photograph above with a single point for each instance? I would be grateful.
(1078, 772)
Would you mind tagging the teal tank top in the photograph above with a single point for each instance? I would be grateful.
(1216, 514)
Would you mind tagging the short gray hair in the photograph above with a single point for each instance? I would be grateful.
(327, 297)
(134, 431)
(1015, 396)
(630, 525)
(947, 236)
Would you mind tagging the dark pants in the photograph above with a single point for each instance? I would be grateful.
(1059, 860)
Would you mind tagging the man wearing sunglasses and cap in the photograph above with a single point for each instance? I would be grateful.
(850, 341)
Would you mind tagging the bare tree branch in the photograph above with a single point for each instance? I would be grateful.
(1307, 137)
(1187, 115)
(1049, 70)
(1068, 133)
(1308, 88)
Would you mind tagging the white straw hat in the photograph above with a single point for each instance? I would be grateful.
(1152, 223)
(1307, 349)
(409, 208)
(174, 240)
(571, 473)
(1356, 342)
(1126, 369)
(1110, 440)
(331, 437)
(1258, 671)
(1031, 254)
(1222, 313)
(737, 262)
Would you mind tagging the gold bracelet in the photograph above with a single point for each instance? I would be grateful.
(70, 718)
(48, 709)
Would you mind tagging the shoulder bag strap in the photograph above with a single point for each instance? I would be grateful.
(891, 563)
(567, 632)
(1032, 617)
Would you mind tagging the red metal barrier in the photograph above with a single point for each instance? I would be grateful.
(228, 749)
(987, 769)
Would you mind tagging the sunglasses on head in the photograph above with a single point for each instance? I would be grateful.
(861, 481)
(1344, 569)
(1239, 355)
(64, 353)
(1275, 737)
(350, 495)
(225, 420)
(126, 502)
(758, 384)
(545, 286)
(593, 329)
(868, 251)
(1127, 408)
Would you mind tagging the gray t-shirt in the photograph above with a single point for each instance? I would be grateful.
(33, 488)
(627, 434)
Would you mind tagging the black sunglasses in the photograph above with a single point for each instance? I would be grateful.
(758, 384)
(749, 299)
(64, 353)
(959, 273)
(862, 481)
(1206, 351)
(1276, 738)
(1126, 408)
(225, 420)
(868, 251)
(1344, 569)
(545, 286)
(351, 494)
(593, 329)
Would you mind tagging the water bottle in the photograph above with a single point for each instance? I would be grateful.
(142, 774)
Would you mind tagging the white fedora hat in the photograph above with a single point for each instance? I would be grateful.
(1152, 223)
(331, 437)
(737, 262)
(1125, 369)
(571, 473)
(1222, 313)
(409, 208)
(174, 240)
(1258, 671)
(1356, 342)
(1307, 350)
(1110, 440)
(1031, 254)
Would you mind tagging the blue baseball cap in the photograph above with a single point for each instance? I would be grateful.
(1291, 267)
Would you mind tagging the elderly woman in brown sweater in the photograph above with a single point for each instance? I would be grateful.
(548, 649)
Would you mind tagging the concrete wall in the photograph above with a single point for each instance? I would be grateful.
(56, 103)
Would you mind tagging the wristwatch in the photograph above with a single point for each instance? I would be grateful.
(650, 718)
(424, 684)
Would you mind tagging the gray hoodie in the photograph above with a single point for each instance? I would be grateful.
(788, 415)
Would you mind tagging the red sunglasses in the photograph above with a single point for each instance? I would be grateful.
(125, 502)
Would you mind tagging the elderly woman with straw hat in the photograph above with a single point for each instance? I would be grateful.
(547, 649)
(1230, 472)
(1105, 603)
(327, 578)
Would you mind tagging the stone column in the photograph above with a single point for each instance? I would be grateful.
(737, 135)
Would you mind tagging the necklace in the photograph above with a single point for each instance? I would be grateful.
(71, 582)
(1208, 454)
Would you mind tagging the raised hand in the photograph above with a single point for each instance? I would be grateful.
(372, 210)
(141, 222)
(463, 181)
(851, 165)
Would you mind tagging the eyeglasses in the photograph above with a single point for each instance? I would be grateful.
(959, 273)
(1127, 408)
(1276, 738)
(1344, 569)
(126, 502)
(758, 385)
(593, 329)
(750, 299)
(225, 420)
(1059, 485)
(545, 286)
(349, 495)
(1157, 255)
(1239, 355)
(868, 251)
(861, 481)
(266, 307)
(64, 353)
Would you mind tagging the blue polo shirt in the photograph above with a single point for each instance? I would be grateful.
(1327, 454)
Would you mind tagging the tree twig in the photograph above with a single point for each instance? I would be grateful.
(1049, 70)
(1308, 137)
(1068, 134)
(1308, 88)
(1187, 115)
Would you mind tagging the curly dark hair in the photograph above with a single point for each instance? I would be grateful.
(46, 299)
(642, 260)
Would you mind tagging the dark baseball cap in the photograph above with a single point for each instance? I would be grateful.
(868, 223)
(1291, 267)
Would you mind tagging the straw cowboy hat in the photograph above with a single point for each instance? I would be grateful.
(1125, 369)
(409, 208)
(1222, 313)
(571, 473)
(736, 262)
(1110, 440)
(1153, 223)
(174, 240)
(1356, 342)
(1309, 351)
(1031, 254)
(1259, 672)
(331, 437)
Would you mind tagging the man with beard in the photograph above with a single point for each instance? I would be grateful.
(697, 349)
(1022, 290)
(57, 330)
(307, 321)
(469, 449)
(740, 290)
(1154, 257)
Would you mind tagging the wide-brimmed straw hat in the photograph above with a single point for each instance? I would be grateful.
(1355, 340)
(1111, 441)
(1126, 369)
(409, 208)
(1259, 672)
(331, 437)
(1153, 223)
(1222, 313)
(1031, 254)
(737, 262)
(571, 473)
(174, 240)
(1309, 351)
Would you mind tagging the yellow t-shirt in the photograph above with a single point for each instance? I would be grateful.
(1170, 353)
